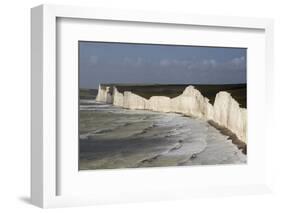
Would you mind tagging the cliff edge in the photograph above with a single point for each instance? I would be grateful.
(225, 111)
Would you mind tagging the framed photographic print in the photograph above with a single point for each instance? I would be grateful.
(152, 113)
(130, 106)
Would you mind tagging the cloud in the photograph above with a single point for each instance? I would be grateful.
(94, 59)
(238, 61)
(206, 63)
(173, 62)
(165, 62)
(133, 61)
(181, 62)
(209, 63)
(205, 66)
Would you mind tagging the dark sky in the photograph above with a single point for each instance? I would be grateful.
(164, 64)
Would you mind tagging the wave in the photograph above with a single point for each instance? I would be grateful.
(145, 130)
(149, 160)
(94, 105)
(104, 130)
(101, 131)
(148, 139)
(176, 147)
(96, 132)
(179, 146)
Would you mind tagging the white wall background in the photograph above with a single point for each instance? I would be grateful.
(15, 104)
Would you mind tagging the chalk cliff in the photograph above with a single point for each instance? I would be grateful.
(133, 101)
(118, 99)
(228, 113)
(190, 103)
(104, 94)
(225, 111)
(159, 104)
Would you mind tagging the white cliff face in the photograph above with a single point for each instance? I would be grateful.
(118, 99)
(228, 113)
(225, 111)
(133, 101)
(244, 116)
(104, 94)
(159, 104)
(209, 111)
(190, 103)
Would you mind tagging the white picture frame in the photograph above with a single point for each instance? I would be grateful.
(44, 149)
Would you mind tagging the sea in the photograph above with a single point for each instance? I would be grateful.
(111, 137)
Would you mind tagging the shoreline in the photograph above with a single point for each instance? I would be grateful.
(241, 145)
(226, 111)
(232, 136)
(174, 140)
